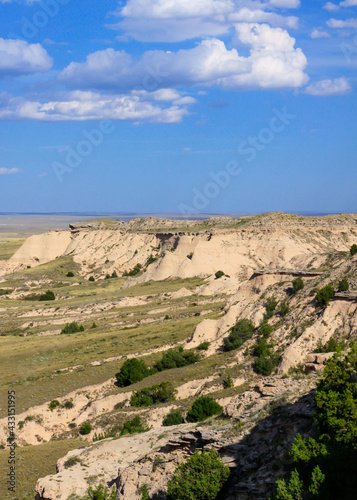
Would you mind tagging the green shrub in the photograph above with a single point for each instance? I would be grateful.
(200, 477)
(133, 426)
(202, 408)
(100, 493)
(326, 466)
(132, 371)
(151, 260)
(144, 492)
(298, 285)
(47, 296)
(265, 330)
(114, 274)
(324, 295)
(239, 334)
(94, 325)
(284, 309)
(176, 358)
(85, 428)
(270, 307)
(91, 278)
(68, 404)
(190, 255)
(4, 292)
(107, 277)
(173, 418)
(266, 364)
(73, 327)
(228, 383)
(109, 433)
(134, 271)
(70, 274)
(353, 249)
(343, 285)
(332, 345)
(203, 346)
(219, 274)
(153, 395)
(266, 360)
(71, 461)
(54, 404)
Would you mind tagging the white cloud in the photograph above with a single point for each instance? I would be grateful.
(9, 171)
(82, 106)
(339, 86)
(273, 62)
(319, 33)
(349, 3)
(337, 23)
(20, 58)
(331, 7)
(178, 20)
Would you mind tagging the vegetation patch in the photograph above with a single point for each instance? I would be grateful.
(201, 476)
(239, 334)
(202, 408)
(153, 395)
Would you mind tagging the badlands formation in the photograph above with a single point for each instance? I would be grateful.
(149, 285)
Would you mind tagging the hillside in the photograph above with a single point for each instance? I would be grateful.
(144, 287)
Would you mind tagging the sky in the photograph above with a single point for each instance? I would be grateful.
(178, 106)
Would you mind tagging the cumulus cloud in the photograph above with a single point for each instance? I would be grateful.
(82, 106)
(338, 86)
(9, 171)
(21, 58)
(319, 33)
(349, 3)
(338, 23)
(331, 7)
(178, 20)
(273, 62)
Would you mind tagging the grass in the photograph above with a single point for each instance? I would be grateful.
(33, 462)
(9, 246)
(30, 364)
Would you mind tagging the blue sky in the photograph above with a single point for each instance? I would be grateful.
(178, 106)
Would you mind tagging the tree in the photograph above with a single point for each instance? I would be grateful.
(324, 295)
(132, 371)
(73, 327)
(202, 408)
(201, 477)
(173, 418)
(176, 359)
(85, 428)
(298, 285)
(284, 309)
(270, 307)
(47, 296)
(153, 395)
(240, 333)
(343, 285)
(70, 274)
(219, 274)
(133, 426)
(328, 463)
(91, 278)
